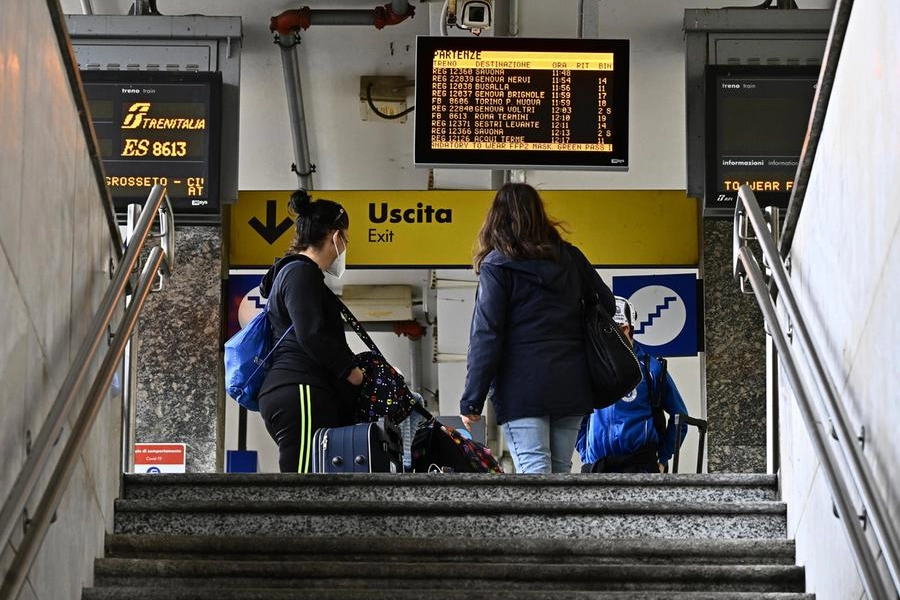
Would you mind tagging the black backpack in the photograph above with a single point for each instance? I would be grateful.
(655, 391)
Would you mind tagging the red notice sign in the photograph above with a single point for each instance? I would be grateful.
(159, 458)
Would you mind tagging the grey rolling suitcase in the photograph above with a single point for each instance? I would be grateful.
(362, 448)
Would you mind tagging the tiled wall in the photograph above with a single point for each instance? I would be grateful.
(54, 267)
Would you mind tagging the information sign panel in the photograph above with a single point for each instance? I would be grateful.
(756, 127)
(522, 102)
(439, 228)
(159, 458)
(158, 127)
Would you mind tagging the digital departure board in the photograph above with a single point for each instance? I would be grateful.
(757, 116)
(158, 127)
(505, 102)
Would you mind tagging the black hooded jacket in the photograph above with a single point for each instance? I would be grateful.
(526, 339)
(316, 352)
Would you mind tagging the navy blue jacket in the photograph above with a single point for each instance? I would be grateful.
(526, 339)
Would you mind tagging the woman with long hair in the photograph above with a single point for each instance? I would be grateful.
(310, 383)
(526, 346)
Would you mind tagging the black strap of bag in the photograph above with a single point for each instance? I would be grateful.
(588, 295)
(655, 393)
(356, 326)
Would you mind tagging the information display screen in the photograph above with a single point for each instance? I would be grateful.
(158, 127)
(757, 118)
(522, 102)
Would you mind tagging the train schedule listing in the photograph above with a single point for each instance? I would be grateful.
(563, 106)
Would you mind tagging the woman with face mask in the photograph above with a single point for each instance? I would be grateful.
(312, 380)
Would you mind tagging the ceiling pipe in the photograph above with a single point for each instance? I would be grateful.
(290, 63)
(287, 26)
(513, 18)
(86, 7)
(292, 20)
(588, 20)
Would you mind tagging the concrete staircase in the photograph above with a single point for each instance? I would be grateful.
(453, 536)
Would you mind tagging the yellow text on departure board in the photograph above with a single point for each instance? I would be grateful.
(489, 59)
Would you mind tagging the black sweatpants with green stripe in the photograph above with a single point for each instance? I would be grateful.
(293, 413)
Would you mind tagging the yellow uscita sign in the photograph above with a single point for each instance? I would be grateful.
(438, 228)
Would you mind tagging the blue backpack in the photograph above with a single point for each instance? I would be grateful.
(246, 360)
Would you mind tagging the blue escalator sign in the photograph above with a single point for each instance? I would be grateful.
(666, 306)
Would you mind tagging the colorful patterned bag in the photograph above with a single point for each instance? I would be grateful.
(383, 392)
(440, 447)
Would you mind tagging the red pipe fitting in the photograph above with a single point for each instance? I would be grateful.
(301, 18)
(385, 15)
(291, 20)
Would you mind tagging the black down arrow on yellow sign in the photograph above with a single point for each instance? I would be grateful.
(261, 228)
(271, 230)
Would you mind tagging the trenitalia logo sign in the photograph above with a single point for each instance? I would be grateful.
(135, 115)
(138, 117)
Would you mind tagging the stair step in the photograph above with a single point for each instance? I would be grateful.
(458, 549)
(443, 576)
(143, 593)
(438, 519)
(403, 536)
(422, 487)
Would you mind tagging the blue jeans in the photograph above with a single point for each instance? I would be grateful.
(542, 445)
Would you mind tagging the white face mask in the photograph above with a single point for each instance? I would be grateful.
(339, 264)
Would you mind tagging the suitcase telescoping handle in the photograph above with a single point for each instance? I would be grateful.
(678, 419)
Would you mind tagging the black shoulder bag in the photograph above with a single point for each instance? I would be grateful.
(614, 368)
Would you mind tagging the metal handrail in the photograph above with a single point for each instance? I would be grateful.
(37, 461)
(844, 466)
(836, 34)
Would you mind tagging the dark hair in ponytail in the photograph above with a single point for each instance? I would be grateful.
(315, 220)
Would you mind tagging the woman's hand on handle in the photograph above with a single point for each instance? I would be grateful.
(356, 376)
(468, 420)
